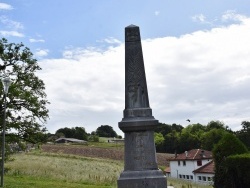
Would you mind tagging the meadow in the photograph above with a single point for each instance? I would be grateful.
(45, 168)
(39, 169)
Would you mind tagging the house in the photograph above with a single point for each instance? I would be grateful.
(70, 140)
(205, 173)
(194, 165)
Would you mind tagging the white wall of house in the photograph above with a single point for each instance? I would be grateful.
(204, 178)
(184, 169)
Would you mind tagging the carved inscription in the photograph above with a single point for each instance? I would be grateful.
(135, 78)
(140, 151)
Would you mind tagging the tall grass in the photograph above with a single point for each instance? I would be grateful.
(177, 183)
(39, 170)
(66, 168)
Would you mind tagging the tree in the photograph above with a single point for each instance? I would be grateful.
(26, 111)
(190, 137)
(159, 140)
(163, 128)
(227, 146)
(74, 132)
(172, 141)
(171, 137)
(244, 133)
(216, 125)
(106, 131)
(212, 137)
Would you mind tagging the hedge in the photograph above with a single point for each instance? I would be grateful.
(238, 168)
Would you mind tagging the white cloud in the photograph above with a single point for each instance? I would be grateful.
(199, 18)
(41, 52)
(5, 6)
(202, 76)
(110, 40)
(231, 15)
(11, 33)
(10, 27)
(10, 23)
(157, 13)
(36, 40)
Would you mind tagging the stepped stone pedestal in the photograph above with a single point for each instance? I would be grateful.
(138, 124)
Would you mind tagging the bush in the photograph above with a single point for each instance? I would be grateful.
(239, 170)
(227, 146)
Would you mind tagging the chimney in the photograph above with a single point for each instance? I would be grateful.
(186, 154)
(202, 153)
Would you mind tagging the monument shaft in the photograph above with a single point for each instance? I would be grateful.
(138, 124)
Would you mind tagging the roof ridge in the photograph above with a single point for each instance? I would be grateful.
(202, 167)
(196, 153)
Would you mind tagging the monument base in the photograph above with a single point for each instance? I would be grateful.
(142, 179)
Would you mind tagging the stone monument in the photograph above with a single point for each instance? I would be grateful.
(138, 124)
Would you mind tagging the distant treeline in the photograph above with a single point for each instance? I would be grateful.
(81, 134)
(177, 139)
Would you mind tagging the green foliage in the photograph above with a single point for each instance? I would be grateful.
(74, 132)
(93, 138)
(228, 145)
(212, 137)
(26, 105)
(178, 139)
(172, 141)
(215, 125)
(106, 131)
(171, 137)
(244, 133)
(158, 137)
(238, 168)
(190, 137)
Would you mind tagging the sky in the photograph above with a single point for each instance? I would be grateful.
(196, 56)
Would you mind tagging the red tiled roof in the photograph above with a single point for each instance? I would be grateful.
(167, 170)
(193, 154)
(207, 168)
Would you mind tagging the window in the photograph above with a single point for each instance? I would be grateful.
(184, 176)
(209, 179)
(204, 178)
(199, 163)
(180, 176)
(184, 163)
(187, 177)
(179, 163)
(199, 178)
(191, 177)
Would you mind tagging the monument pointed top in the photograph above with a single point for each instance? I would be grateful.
(131, 25)
(132, 33)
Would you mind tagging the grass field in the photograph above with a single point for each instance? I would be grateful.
(53, 170)
(44, 168)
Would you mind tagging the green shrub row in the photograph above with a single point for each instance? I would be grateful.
(238, 168)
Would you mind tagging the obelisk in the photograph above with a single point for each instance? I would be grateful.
(138, 124)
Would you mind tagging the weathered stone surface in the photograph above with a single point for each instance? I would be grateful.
(142, 179)
(138, 123)
(137, 115)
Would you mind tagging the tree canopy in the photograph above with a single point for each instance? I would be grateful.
(26, 110)
(74, 132)
(178, 139)
(229, 145)
(244, 133)
(106, 131)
